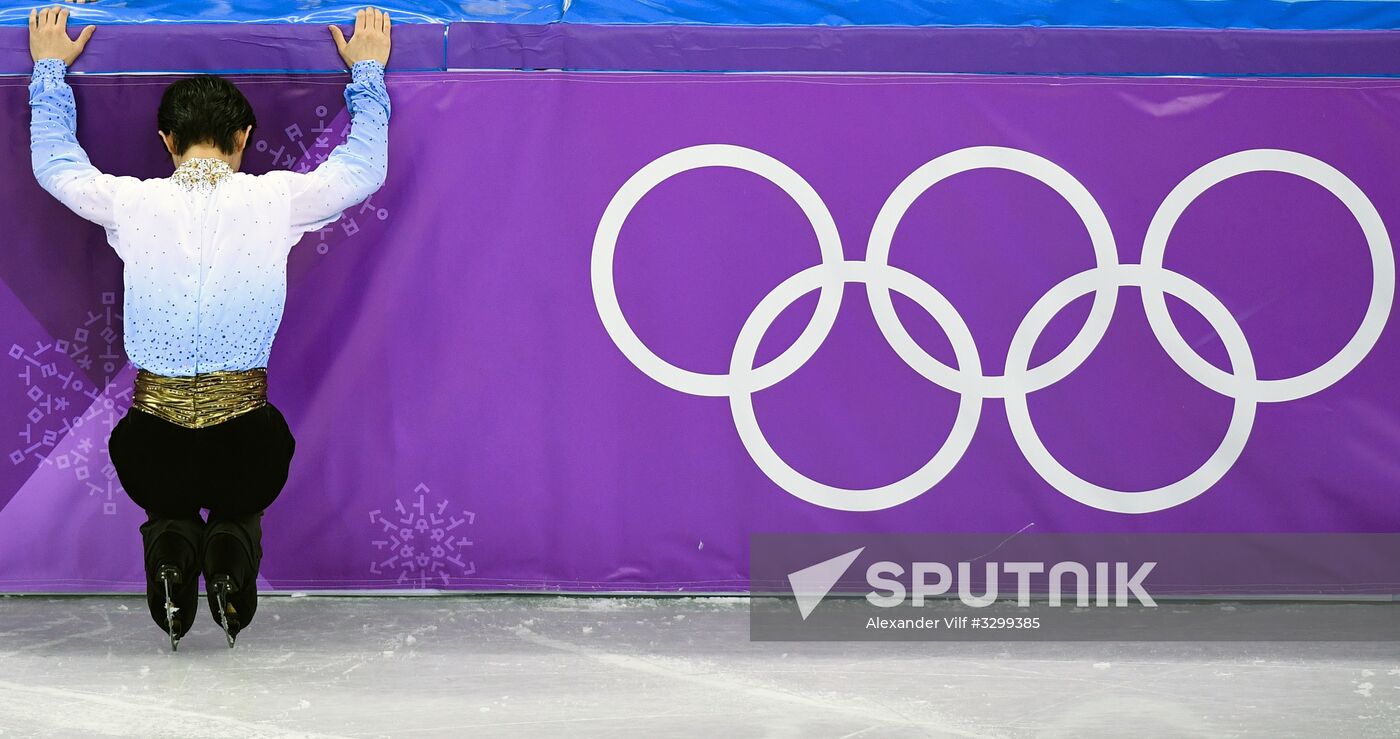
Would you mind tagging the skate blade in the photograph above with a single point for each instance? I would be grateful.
(230, 626)
(171, 625)
(227, 616)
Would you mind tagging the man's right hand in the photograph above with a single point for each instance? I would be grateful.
(370, 41)
(48, 36)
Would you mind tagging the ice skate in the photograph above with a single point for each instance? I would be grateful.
(172, 574)
(170, 579)
(231, 558)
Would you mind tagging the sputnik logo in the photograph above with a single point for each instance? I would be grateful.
(811, 584)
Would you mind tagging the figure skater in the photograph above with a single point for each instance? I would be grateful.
(205, 262)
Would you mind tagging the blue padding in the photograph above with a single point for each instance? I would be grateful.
(298, 11)
(1260, 14)
(1196, 14)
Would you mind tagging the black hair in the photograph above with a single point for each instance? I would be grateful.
(204, 110)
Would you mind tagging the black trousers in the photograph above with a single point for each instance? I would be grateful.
(234, 469)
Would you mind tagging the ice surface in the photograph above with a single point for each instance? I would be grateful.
(641, 667)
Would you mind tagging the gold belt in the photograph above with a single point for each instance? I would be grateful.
(202, 400)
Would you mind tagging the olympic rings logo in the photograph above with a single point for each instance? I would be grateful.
(1104, 280)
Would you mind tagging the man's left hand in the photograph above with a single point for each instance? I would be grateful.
(48, 36)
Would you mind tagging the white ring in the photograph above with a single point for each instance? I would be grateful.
(605, 245)
(829, 496)
(1382, 275)
(1051, 175)
(1107, 499)
(1018, 380)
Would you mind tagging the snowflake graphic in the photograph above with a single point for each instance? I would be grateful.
(293, 153)
(421, 542)
(58, 401)
(348, 223)
(301, 152)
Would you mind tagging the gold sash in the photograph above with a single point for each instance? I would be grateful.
(202, 400)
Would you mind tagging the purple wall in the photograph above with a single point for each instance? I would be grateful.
(466, 420)
(229, 48)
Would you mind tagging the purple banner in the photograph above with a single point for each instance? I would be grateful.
(950, 50)
(226, 48)
(229, 48)
(974, 305)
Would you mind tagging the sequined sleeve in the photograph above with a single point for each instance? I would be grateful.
(356, 168)
(60, 164)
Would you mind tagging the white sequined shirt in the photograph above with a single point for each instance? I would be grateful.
(205, 250)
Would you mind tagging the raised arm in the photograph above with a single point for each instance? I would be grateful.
(358, 167)
(60, 164)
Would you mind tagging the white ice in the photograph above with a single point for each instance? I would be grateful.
(642, 667)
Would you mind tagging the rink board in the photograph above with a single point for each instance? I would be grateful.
(467, 419)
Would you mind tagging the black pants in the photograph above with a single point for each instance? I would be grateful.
(234, 469)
